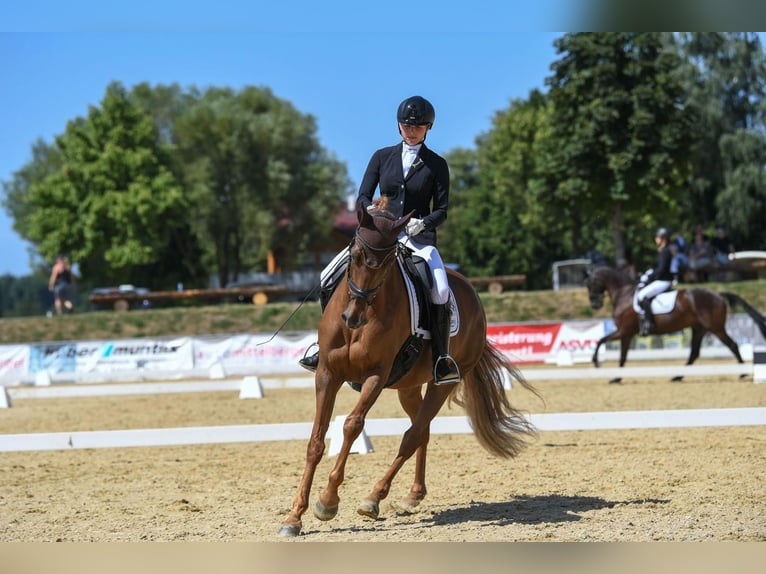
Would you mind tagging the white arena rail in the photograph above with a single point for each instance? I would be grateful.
(304, 380)
(373, 427)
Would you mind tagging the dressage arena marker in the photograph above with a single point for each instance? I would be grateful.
(43, 379)
(5, 399)
(362, 444)
(251, 388)
(375, 427)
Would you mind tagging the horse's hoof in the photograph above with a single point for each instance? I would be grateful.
(616, 381)
(677, 379)
(323, 512)
(290, 530)
(407, 505)
(369, 508)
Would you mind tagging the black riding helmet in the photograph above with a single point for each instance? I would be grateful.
(416, 111)
(662, 232)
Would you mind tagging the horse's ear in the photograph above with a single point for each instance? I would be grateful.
(362, 215)
(400, 223)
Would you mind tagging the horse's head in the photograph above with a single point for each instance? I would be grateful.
(371, 256)
(596, 288)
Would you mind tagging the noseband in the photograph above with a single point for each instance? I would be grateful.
(367, 296)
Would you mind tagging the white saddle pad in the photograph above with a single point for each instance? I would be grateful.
(415, 327)
(661, 304)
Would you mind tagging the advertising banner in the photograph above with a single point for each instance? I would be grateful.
(253, 353)
(538, 343)
(135, 354)
(53, 358)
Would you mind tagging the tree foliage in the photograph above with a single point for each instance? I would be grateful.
(725, 80)
(258, 180)
(621, 130)
(160, 185)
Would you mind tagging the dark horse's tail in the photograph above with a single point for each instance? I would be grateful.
(734, 300)
(499, 427)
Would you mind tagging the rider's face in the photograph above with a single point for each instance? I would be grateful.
(413, 135)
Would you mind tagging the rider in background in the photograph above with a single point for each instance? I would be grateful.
(414, 178)
(655, 281)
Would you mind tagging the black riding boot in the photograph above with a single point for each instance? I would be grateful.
(446, 370)
(647, 321)
(310, 362)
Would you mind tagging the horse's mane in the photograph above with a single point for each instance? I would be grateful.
(379, 207)
(611, 274)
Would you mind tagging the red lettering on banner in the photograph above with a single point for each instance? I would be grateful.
(520, 341)
(11, 363)
(578, 344)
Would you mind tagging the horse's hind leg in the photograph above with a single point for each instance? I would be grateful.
(697, 334)
(730, 343)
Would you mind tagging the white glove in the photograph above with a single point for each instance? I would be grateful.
(415, 226)
(646, 277)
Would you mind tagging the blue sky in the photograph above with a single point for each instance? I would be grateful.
(349, 64)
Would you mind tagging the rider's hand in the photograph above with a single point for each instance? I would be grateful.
(645, 277)
(415, 226)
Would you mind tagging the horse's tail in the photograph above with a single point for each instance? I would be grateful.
(499, 428)
(734, 300)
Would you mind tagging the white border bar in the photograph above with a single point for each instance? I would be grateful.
(374, 427)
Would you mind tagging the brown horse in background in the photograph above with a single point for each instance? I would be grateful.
(362, 329)
(700, 309)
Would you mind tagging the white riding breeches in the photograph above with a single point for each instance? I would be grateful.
(652, 289)
(440, 288)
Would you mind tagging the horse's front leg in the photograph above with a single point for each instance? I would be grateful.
(415, 439)
(624, 346)
(325, 401)
(595, 353)
(327, 505)
(605, 339)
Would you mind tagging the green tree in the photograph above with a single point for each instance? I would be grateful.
(621, 132)
(113, 203)
(258, 181)
(726, 82)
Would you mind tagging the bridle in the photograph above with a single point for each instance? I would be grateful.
(367, 296)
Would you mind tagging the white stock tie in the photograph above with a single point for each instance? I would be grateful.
(408, 157)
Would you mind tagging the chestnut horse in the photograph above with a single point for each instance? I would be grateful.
(362, 329)
(701, 309)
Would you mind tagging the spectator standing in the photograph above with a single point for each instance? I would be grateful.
(700, 255)
(60, 284)
(680, 262)
(721, 246)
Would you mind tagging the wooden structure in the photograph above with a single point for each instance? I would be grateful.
(123, 300)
